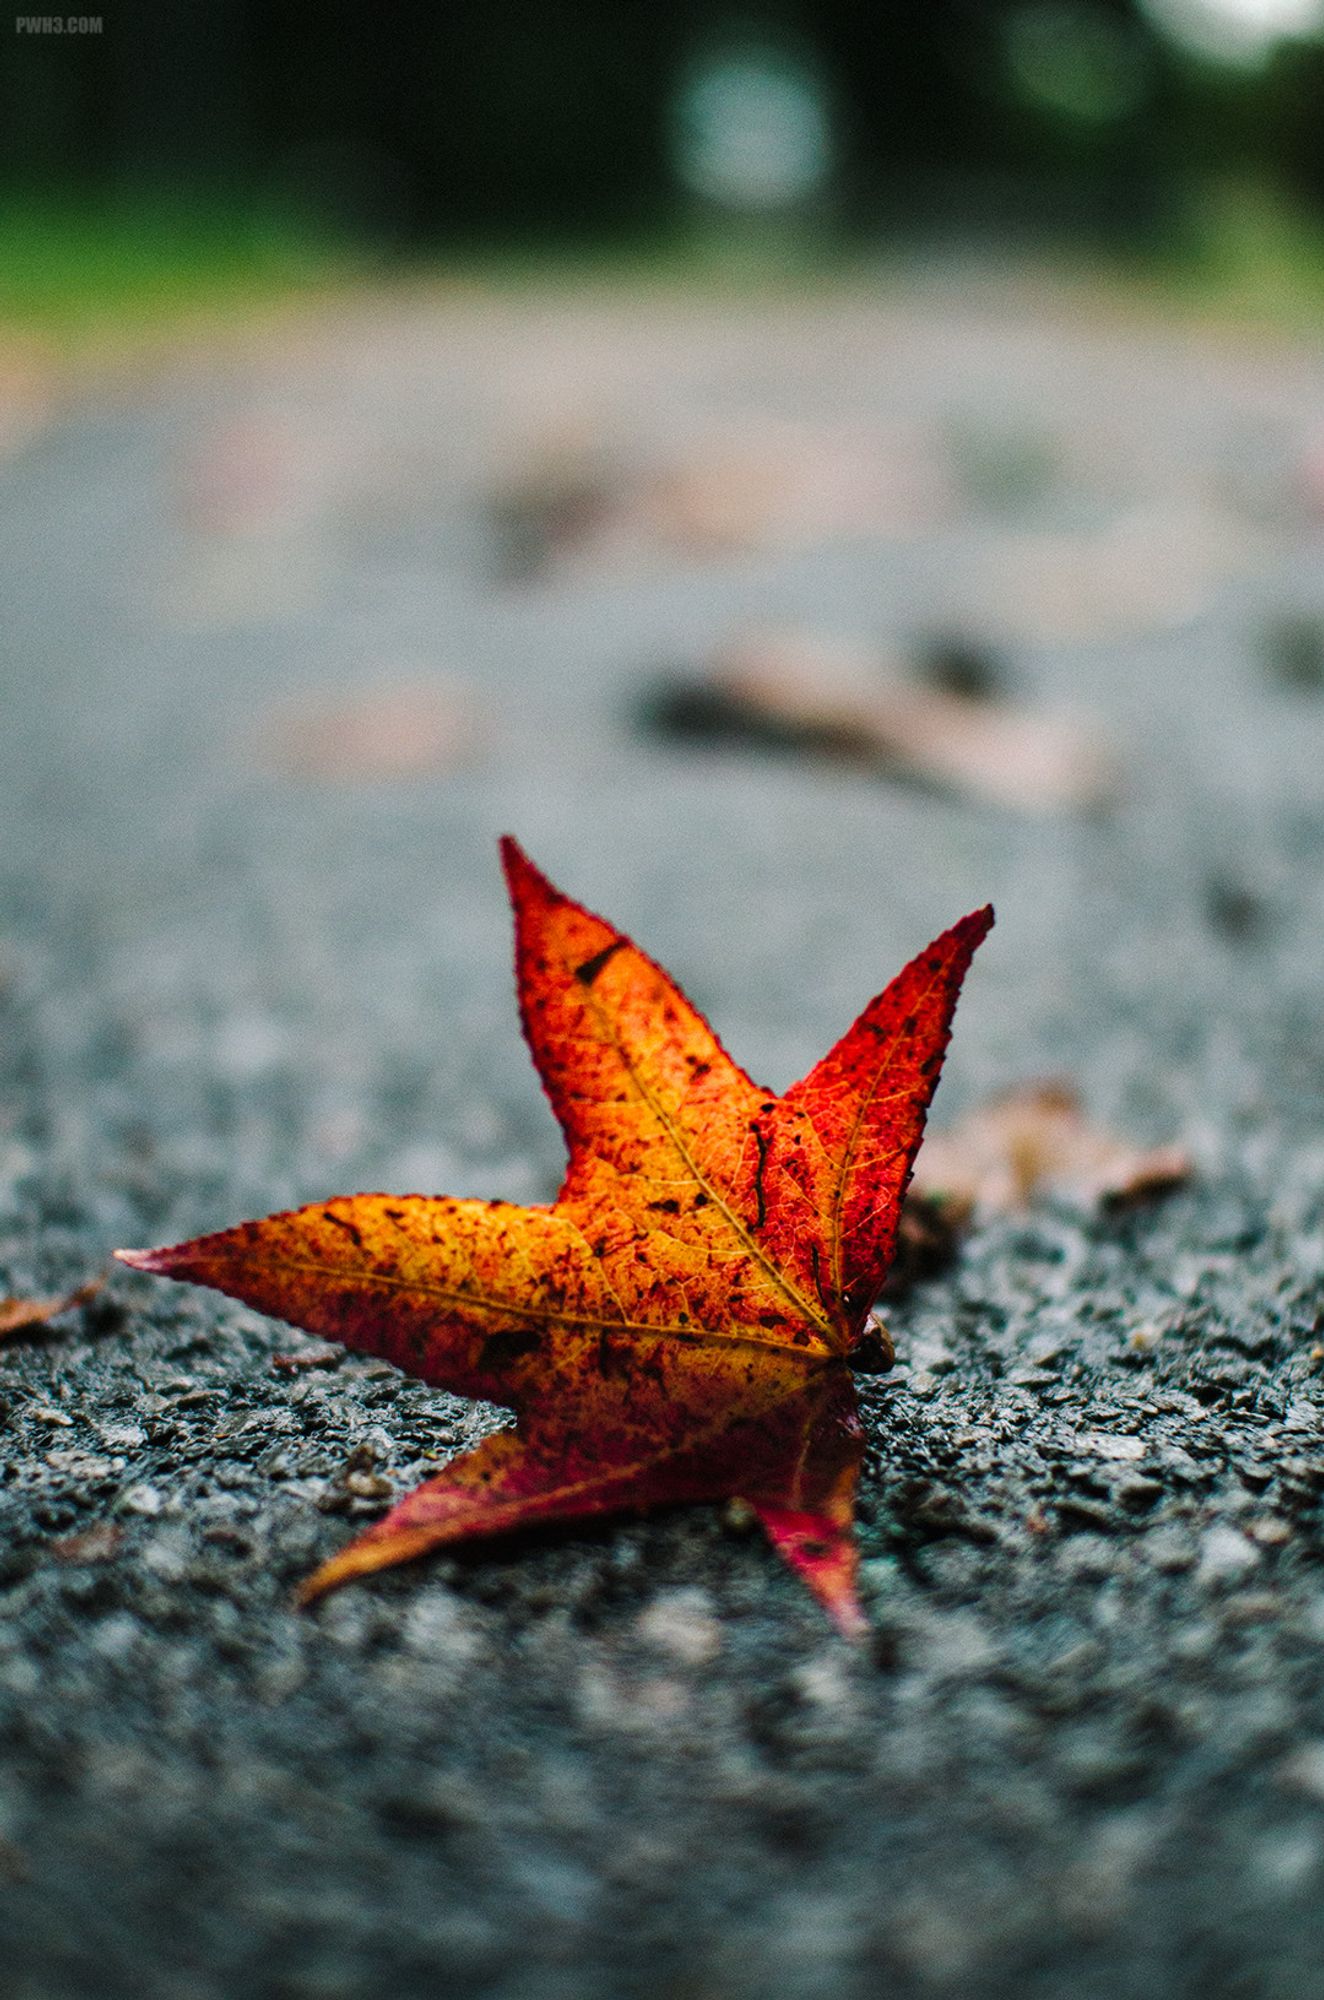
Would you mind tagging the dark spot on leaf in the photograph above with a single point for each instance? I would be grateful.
(589, 970)
(502, 1350)
(761, 1142)
(613, 1355)
(351, 1229)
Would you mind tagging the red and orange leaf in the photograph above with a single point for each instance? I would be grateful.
(677, 1326)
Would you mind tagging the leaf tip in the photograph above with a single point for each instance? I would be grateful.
(314, 1586)
(377, 1548)
(849, 1619)
(526, 885)
(141, 1260)
(357, 1558)
(978, 924)
(520, 872)
(958, 945)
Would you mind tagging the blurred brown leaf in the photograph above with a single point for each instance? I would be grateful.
(21, 1315)
(95, 1544)
(1037, 1140)
(759, 482)
(559, 500)
(251, 473)
(795, 691)
(770, 483)
(404, 729)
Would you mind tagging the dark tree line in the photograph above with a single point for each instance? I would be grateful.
(420, 121)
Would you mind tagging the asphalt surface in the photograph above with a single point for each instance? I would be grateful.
(1084, 1754)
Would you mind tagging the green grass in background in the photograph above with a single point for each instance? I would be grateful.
(1254, 252)
(81, 276)
(76, 273)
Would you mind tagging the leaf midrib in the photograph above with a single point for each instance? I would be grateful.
(539, 1315)
(820, 1325)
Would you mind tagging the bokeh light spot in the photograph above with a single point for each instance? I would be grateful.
(1235, 31)
(751, 129)
(1075, 60)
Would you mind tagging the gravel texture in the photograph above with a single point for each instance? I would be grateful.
(1084, 1754)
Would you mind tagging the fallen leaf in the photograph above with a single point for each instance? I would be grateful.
(92, 1545)
(678, 1325)
(755, 483)
(1037, 1140)
(403, 729)
(773, 484)
(21, 1315)
(257, 473)
(793, 691)
(565, 494)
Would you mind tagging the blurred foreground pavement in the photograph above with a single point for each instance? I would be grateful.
(253, 952)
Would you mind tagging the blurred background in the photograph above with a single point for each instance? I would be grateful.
(748, 452)
(1140, 124)
(907, 419)
(148, 154)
